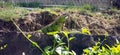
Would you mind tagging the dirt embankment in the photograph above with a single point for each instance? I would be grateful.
(97, 23)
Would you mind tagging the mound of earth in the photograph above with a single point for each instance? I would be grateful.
(97, 23)
(31, 22)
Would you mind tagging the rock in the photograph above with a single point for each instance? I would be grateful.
(80, 42)
(17, 44)
(111, 40)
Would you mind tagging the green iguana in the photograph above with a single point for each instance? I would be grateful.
(54, 26)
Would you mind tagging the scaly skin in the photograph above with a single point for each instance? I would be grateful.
(54, 26)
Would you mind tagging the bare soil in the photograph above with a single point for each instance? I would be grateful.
(97, 23)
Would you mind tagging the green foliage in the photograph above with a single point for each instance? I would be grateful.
(59, 47)
(6, 4)
(7, 14)
(31, 4)
(83, 8)
(85, 31)
(96, 50)
(102, 50)
(87, 7)
(70, 3)
(53, 33)
(29, 36)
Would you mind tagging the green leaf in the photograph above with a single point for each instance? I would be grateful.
(108, 46)
(29, 36)
(47, 50)
(52, 33)
(73, 53)
(103, 48)
(61, 44)
(65, 33)
(86, 51)
(71, 38)
(85, 31)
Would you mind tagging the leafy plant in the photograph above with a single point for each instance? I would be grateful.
(115, 50)
(59, 47)
(6, 4)
(27, 37)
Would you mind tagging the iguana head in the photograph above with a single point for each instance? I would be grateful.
(62, 18)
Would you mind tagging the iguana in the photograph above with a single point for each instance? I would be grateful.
(55, 25)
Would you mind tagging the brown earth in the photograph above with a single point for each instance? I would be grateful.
(99, 22)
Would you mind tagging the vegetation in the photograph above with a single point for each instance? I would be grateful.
(8, 12)
(6, 4)
(96, 50)
(31, 4)
(16, 12)
(59, 46)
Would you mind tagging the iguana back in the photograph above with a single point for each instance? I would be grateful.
(56, 25)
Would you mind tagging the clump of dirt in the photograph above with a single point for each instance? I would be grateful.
(7, 26)
(31, 22)
(107, 21)
(36, 21)
(97, 24)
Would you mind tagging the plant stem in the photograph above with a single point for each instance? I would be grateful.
(25, 35)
